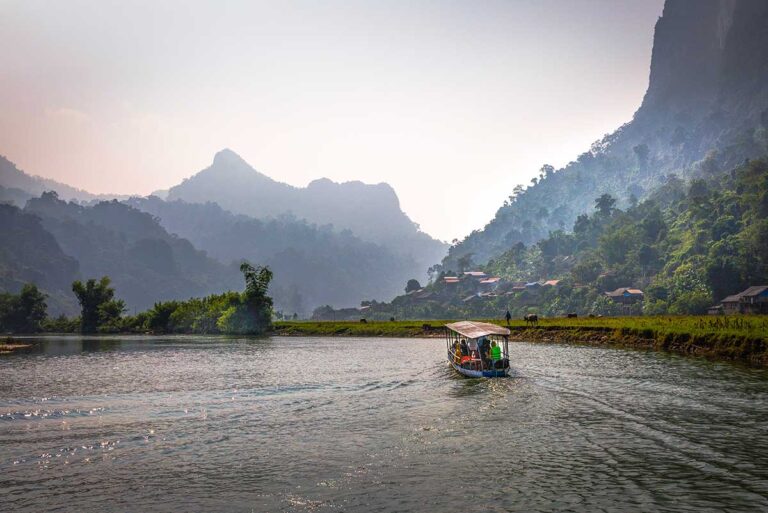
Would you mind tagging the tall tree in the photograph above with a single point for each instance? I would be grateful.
(604, 204)
(98, 304)
(23, 313)
(254, 313)
(413, 284)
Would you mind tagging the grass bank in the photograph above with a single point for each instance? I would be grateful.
(359, 329)
(738, 338)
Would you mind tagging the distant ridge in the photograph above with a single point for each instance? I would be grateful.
(13, 178)
(371, 212)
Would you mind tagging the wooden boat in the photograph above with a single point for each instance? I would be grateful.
(466, 341)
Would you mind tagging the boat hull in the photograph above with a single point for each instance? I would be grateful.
(495, 373)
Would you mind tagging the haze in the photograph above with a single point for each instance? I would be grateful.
(452, 103)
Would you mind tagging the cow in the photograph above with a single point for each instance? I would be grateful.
(572, 316)
(363, 321)
(531, 319)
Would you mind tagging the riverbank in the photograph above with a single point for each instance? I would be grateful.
(738, 338)
(9, 345)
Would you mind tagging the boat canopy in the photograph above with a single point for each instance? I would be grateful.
(473, 329)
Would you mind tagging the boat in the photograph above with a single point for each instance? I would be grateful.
(465, 341)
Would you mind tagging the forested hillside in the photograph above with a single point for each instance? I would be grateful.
(30, 254)
(706, 110)
(314, 262)
(312, 265)
(145, 263)
(686, 247)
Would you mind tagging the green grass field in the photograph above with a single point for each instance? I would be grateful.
(357, 329)
(743, 338)
(748, 326)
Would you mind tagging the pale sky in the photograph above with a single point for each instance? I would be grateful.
(453, 103)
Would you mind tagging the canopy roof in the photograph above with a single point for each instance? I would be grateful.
(473, 329)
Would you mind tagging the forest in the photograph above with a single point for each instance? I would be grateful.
(687, 246)
(237, 313)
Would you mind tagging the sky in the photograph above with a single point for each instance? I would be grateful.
(452, 103)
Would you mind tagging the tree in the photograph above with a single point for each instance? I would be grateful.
(98, 304)
(413, 284)
(23, 313)
(433, 272)
(604, 204)
(582, 224)
(159, 317)
(710, 166)
(464, 262)
(698, 192)
(642, 152)
(253, 315)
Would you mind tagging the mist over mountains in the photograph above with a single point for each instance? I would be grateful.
(313, 265)
(371, 212)
(706, 109)
(17, 187)
(327, 244)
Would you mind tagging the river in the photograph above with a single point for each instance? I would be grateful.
(342, 424)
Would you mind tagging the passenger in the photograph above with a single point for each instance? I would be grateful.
(464, 348)
(495, 354)
(472, 346)
(457, 353)
(482, 346)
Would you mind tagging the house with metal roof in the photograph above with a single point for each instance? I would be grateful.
(753, 300)
(626, 295)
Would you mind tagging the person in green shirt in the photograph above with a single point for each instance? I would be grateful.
(495, 353)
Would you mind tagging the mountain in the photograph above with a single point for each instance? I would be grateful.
(705, 111)
(681, 251)
(371, 212)
(148, 245)
(31, 254)
(146, 263)
(16, 185)
(313, 265)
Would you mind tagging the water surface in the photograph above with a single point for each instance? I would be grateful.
(320, 424)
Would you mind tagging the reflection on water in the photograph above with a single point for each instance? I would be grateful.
(314, 424)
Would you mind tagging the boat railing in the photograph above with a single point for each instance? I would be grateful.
(503, 344)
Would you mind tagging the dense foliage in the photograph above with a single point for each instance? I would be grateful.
(707, 90)
(100, 311)
(687, 246)
(312, 264)
(246, 313)
(31, 254)
(144, 262)
(24, 312)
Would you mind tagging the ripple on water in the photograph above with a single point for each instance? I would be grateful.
(351, 425)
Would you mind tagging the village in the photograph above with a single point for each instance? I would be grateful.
(478, 293)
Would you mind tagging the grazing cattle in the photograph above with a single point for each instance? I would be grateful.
(363, 321)
(572, 315)
(531, 319)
